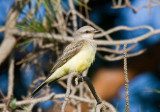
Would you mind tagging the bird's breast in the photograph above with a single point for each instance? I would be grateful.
(82, 60)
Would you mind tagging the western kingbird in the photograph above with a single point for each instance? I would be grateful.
(76, 57)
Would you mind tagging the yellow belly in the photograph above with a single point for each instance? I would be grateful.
(81, 61)
(78, 63)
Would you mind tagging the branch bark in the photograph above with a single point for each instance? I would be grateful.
(69, 81)
(126, 78)
(11, 81)
(99, 42)
(9, 40)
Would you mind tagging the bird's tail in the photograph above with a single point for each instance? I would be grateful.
(38, 88)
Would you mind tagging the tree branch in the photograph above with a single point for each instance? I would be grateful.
(100, 105)
(69, 81)
(74, 18)
(126, 78)
(99, 42)
(9, 40)
(11, 81)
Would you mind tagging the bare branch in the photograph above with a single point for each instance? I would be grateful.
(128, 4)
(129, 41)
(126, 78)
(109, 58)
(109, 107)
(115, 51)
(119, 28)
(6, 47)
(69, 81)
(58, 37)
(99, 42)
(48, 97)
(2, 29)
(11, 79)
(9, 41)
(74, 18)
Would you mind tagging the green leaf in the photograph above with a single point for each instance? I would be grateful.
(24, 44)
(32, 25)
(82, 4)
(154, 90)
(13, 103)
(25, 107)
(124, 109)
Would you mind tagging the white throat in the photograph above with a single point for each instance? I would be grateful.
(87, 36)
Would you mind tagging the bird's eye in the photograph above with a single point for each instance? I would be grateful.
(87, 31)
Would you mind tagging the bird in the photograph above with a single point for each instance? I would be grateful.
(76, 57)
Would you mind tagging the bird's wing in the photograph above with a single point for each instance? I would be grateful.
(70, 51)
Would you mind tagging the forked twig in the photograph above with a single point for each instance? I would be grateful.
(87, 80)
(101, 106)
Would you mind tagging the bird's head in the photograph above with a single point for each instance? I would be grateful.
(85, 32)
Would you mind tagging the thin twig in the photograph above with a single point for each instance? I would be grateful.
(101, 106)
(2, 29)
(109, 107)
(30, 107)
(11, 81)
(129, 41)
(69, 81)
(119, 28)
(128, 4)
(126, 78)
(11, 77)
(57, 37)
(87, 80)
(60, 18)
(104, 49)
(109, 58)
(48, 97)
(74, 17)
(114, 2)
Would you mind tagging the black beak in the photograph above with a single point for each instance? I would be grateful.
(96, 31)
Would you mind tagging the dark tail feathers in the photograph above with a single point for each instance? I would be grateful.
(38, 88)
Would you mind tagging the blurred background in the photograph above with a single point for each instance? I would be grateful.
(107, 76)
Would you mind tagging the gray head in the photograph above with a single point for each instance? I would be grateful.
(85, 32)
